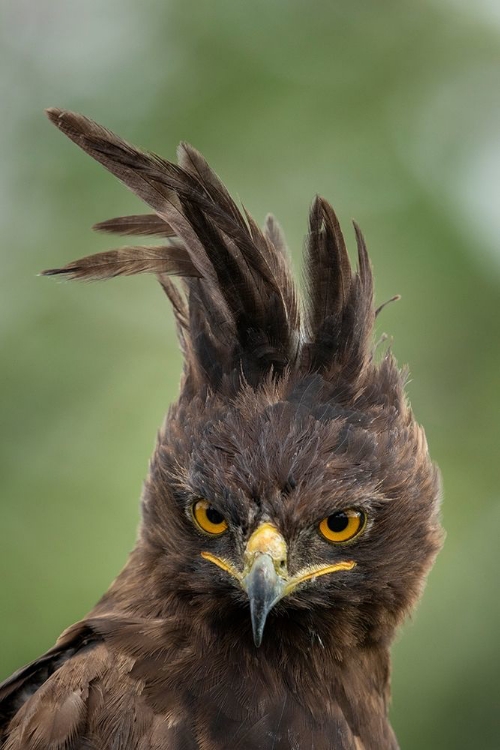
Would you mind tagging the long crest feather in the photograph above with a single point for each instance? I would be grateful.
(340, 304)
(241, 300)
(237, 309)
(144, 225)
(128, 261)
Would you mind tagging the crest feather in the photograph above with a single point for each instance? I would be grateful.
(128, 261)
(237, 309)
(340, 313)
(145, 225)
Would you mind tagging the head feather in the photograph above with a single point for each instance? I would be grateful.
(237, 309)
(145, 225)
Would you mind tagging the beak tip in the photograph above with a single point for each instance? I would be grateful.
(257, 639)
(257, 629)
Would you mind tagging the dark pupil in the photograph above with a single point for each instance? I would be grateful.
(338, 522)
(214, 516)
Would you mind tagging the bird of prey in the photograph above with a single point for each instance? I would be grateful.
(291, 510)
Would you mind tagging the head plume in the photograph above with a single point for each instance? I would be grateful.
(237, 308)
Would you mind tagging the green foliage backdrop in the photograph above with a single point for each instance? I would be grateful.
(389, 109)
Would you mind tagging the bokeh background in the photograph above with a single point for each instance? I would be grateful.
(391, 110)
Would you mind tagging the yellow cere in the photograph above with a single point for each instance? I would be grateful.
(208, 519)
(342, 526)
(267, 540)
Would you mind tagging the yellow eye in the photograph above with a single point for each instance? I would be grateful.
(343, 525)
(208, 519)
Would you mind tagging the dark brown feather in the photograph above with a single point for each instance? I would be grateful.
(128, 261)
(340, 303)
(142, 224)
(247, 300)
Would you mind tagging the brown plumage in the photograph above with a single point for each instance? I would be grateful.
(290, 488)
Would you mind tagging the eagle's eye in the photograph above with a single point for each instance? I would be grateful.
(343, 525)
(208, 519)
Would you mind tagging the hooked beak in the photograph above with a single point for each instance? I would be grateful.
(264, 588)
(265, 576)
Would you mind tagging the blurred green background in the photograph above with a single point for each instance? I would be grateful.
(389, 109)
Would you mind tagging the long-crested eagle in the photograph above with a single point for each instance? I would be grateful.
(291, 510)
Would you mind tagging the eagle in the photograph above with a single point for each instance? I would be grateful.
(290, 514)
